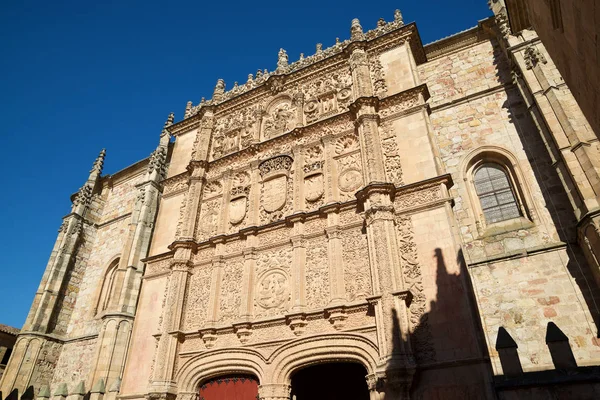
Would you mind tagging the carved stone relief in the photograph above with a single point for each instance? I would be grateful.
(314, 183)
(279, 118)
(413, 277)
(276, 188)
(272, 293)
(238, 203)
(234, 131)
(349, 166)
(355, 257)
(231, 286)
(209, 219)
(196, 300)
(327, 96)
(378, 76)
(393, 168)
(317, 274)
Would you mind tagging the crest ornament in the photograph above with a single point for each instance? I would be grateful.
(350, 180)
(274, 193)
(314, 187)
(272, 291)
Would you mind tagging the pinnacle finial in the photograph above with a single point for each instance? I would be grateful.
(188, 108)
(319, 47)
(219, 90)
(356, 30)
(250, 79)
(380, 22)
(167, 124)
(99, 163)
(398, 17)
(282, 60)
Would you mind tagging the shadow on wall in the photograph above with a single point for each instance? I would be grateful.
(448, 332)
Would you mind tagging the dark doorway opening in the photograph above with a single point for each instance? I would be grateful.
(331, 381)
(230, 387)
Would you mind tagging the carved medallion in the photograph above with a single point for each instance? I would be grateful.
(313, 187)
(272, 289)
(274, 193)
(350, 180)
(237, 210)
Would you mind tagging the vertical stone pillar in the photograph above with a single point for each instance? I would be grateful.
(396, 361)
(162, 379)
(298, 264)
(248, 277)
(337, 288)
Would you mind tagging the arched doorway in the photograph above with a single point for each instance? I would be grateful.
(229, 387)
(330, 381)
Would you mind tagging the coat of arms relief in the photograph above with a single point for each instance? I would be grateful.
(349, 166)
(275, 187)
(238, 200)
(327, 96)
(314, 182)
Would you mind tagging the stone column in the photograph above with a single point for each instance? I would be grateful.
(248, 277)
(162, 384)
(337, 287)
(396, 360)
(298, 265)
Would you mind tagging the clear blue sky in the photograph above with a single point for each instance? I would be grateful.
(77, 76)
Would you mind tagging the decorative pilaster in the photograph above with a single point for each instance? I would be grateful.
(337, 287)
(298, 264)
(162, 379)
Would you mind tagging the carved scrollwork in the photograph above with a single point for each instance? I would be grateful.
(378, 77)
(393, 167)
(212, 189)
(230, 298)
(279, 117)
(209, 217)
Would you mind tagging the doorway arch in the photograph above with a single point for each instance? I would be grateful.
(330, 381)
(229, 387)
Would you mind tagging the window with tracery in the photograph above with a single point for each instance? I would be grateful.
(496, 194)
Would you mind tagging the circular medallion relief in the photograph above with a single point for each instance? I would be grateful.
(272, 289)
(350, 180)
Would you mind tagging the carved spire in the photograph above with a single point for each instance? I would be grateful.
(168, 123)
(188, 109)
(319, 48)
(99, 163)
(380, 22)
(398, 17)
(282, 61)
(219, 90)
(84, 195)
(250, 80)
(157, 162)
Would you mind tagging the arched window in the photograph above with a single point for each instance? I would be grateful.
(496, 194)
(107, 287)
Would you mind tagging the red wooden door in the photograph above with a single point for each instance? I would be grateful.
(230, 388)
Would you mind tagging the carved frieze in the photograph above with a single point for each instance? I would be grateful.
(235, 131)
(231, 285)
(175, 184)
(272, 292)
(355, 258)
(196, 300)
(327, 95)
(413, 278)
(377, 76)
(393, 167)
(317, 274)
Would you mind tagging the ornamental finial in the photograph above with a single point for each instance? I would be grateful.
(282, 60)
(356, 30)
(219, 90)
(167, 124)
(398, 17)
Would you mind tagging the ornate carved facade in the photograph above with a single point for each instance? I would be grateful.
(332, 210)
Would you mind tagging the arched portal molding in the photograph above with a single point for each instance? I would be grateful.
(219, 362)
(345, 347)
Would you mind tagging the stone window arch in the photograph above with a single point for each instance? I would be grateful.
(108, 284)
(498, 195)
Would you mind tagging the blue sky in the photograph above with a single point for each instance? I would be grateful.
(77, 76)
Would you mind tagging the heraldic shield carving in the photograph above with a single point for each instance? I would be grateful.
(314, 187)
(274, 193)
(275, 182)
(237, 210)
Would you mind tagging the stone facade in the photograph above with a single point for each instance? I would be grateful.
(8, 336)
(331, 211)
